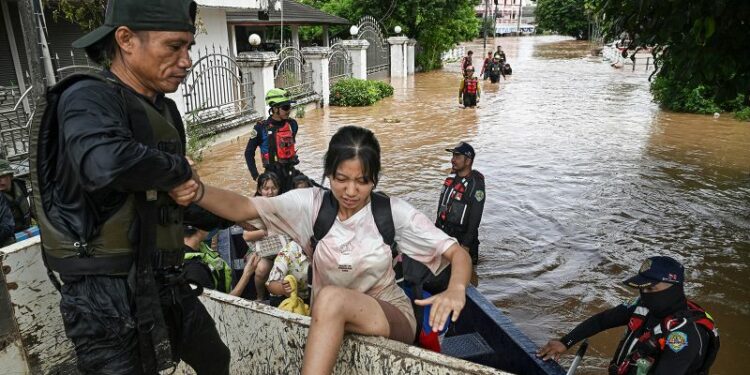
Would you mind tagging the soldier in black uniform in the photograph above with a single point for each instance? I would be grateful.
(106, 153)
(665, 332)
(17, 196)
(462, 200)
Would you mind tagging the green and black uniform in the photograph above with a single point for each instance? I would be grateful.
(460, 210)
(103, 196)
(18, 200)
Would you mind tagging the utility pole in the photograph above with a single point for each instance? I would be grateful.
(484, 26)
(520, 13)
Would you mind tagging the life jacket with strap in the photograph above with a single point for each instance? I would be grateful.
(19, 205)
(281, 143)
(647, 343)
(496, 67)
(454, 202)
(110, 252)
(221, 273)
(470, 86)
(414, 273)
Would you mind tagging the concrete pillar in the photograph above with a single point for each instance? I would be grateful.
(410, 52)
(398, 55)
(295, 36)
(326, 37)
(258, 66)
(357, 50)
(318, 59)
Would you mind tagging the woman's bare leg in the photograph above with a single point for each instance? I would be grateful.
(335, 311)
(261, 276)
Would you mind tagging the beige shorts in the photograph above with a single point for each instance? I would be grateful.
(400, 328)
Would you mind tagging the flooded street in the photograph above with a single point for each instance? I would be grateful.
(585, 176)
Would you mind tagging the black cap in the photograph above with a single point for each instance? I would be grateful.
(655, 270)
(464, 149)
(164, 15)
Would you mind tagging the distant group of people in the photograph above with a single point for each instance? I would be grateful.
(124, 217)
(494, 66)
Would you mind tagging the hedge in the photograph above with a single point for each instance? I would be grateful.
(354, 92)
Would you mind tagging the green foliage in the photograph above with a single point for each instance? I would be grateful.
(353, 92)
(567, 17)
(88, 14)
(437, 25)
(700, 47)
(743, 114)
(196, 139)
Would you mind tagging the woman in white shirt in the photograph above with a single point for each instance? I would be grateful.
(354, 286)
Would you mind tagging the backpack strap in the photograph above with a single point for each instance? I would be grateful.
(381, 211)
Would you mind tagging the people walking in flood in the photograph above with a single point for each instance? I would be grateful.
(17, 196)
(112, 146)
(205, 267)
(276, 138)
(486, 65)
(461, 201)
(354, 286)
(469, 90)
(500, 54)
(466, 62)
(665, 333)
(496, 70)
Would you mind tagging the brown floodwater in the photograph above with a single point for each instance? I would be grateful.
(585, 177)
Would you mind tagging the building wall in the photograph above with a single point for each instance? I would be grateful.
(7, 70)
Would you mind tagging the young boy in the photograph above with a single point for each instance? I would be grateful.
(469, 91)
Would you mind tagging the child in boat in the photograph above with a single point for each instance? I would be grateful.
(291, 260)
(269, 185)
(469, 91)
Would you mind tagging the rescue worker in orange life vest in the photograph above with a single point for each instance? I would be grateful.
(275, 137)
(469, 91)
(462, 200)
(665, 332)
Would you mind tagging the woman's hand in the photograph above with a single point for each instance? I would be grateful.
(551, 350)
(184, 193)
(446, 304)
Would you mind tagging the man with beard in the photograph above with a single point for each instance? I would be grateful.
(462, 200)
(666, 333)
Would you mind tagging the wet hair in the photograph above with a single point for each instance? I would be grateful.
(354, 142)
(263, 178)
(470, 53)
(300, 179)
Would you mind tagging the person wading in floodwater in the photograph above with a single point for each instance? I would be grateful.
(276, 138)
(469, 90)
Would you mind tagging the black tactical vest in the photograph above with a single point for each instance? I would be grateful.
(110, 251)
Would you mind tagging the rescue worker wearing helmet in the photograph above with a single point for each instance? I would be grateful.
(276, 138)
(469, 90)
(666, 333)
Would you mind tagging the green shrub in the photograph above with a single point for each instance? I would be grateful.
(743, 114)
(385, 89)
(353, 92)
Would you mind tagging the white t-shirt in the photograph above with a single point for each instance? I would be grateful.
(353, 255)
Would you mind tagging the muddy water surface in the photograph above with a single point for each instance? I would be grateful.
(585, 178)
